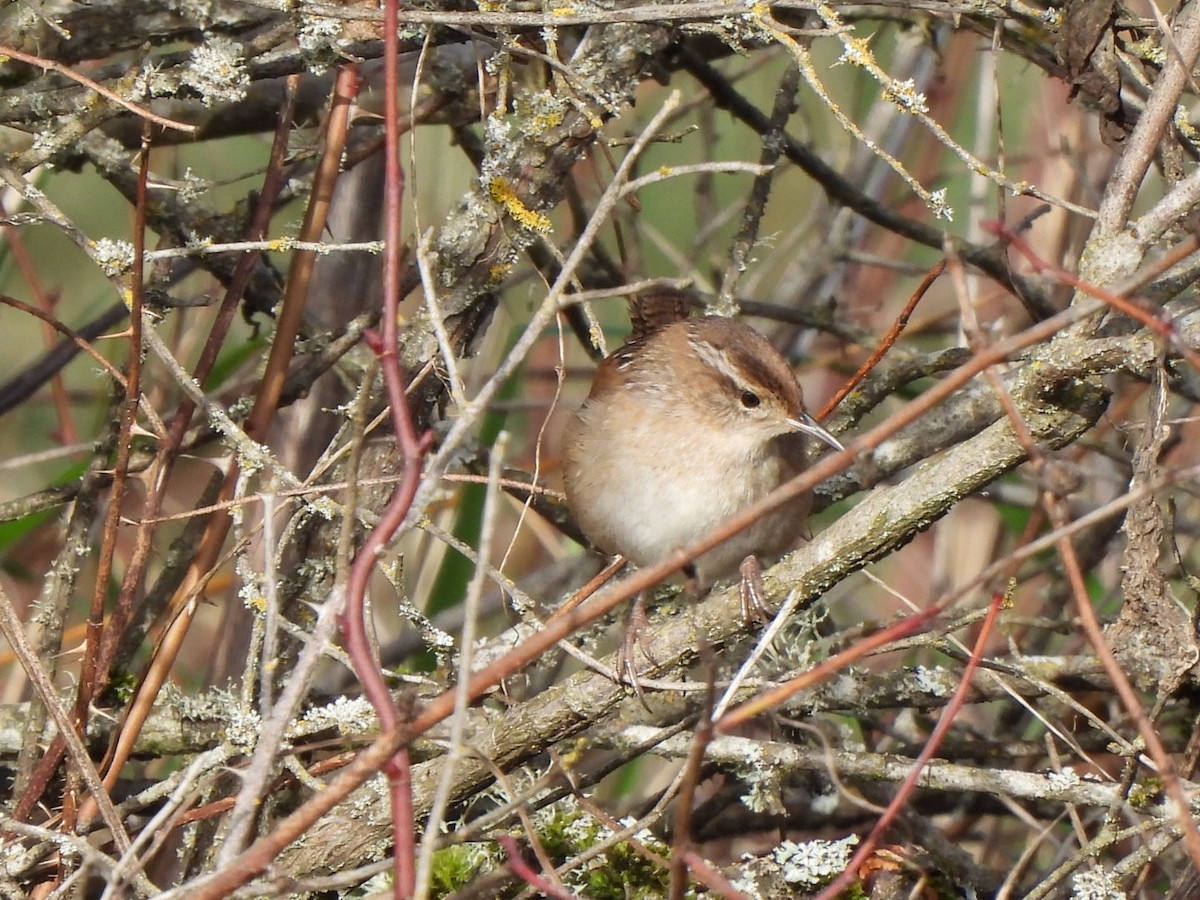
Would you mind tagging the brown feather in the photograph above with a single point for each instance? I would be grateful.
(655, 312)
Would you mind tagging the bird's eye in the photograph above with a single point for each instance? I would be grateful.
(750, 400)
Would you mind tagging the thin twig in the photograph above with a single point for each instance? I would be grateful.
(128, 414)
(53, 66)
(183, 602)
(1122, 187)
(1118, 301)
(465, 662)
(682, 841)
(10, 626)
(886, 342)
(1120, 681)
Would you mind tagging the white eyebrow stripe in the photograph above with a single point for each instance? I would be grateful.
(718, 359)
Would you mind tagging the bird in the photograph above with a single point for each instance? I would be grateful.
(684, 427)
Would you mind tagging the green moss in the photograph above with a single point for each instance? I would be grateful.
(1145, 792)
(625, 874)
(944, 887)
(456, 867)
(121, 686)
(619, 873)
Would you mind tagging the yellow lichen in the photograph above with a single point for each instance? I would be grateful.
(257, 602)
(503, 194)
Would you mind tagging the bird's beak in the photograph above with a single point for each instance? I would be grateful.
(806, 424)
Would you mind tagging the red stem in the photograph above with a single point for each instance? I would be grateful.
(522, 870)
(412, 450)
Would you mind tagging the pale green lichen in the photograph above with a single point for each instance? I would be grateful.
(150, 82)
(191, 186)
(1150, 50)
(939, 207)
(1063, 780)
(1096, 884)
(935, 682)
(243, 726)
(906, 96)
(353, 716)
(112, 256)
(217, 71)
(1183, 122)
(317, 33)
(814, 863)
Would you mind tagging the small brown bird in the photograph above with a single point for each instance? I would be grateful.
(684, 428)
